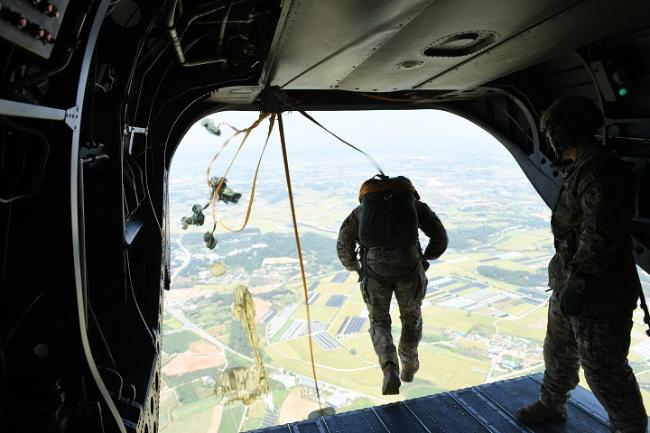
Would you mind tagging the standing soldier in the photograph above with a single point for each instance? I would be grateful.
(592, 274)
(389, 259)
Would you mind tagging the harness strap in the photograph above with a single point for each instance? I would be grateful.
(367, 272)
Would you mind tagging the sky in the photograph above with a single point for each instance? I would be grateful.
(386, 135)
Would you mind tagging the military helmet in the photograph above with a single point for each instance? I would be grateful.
(578, 115)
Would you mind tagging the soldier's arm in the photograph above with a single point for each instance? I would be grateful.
(431, 225)
(605, 223)
(346, 244)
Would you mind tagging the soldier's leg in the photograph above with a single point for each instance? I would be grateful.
(377, 298)
(604, 342)
(561, 360)
(561, 370)
(409, 296)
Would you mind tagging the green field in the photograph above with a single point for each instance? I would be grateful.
(194, 417)
(532, 327)
(170, 323)
(179, 342)
(452, 319)
(532, 241)
(231, 418)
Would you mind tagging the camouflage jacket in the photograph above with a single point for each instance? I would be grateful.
(428, 222)
(591, 229)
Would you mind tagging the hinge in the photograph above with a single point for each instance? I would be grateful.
(72, 117)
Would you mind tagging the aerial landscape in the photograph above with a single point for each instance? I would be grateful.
(485, 308)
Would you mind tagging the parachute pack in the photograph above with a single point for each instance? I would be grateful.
(389, 217)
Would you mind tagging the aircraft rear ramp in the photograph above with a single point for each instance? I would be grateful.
(484, 408)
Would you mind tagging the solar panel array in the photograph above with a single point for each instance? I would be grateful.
(340, 277)
(313, 297)
(268, 316)
(343, 325)
(336, 301)
(326, 341)
(355, 325)
(298, 328)
(461, 288)
(351, 325)
(279, 320)
(439, 283)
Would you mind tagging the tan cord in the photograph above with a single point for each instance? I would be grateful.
(370, 158)
(215, 193)
(254, 187)
(223, 146)
(302, 264)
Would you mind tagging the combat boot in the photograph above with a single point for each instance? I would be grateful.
(408, 370)
(537, 412)
(391, 379)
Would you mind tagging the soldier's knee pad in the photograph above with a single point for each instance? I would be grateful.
(411, 320)
(383, 321)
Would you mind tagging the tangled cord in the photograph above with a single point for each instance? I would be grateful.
(215, 197)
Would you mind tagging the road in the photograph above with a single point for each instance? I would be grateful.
(186, 261)
(188, 324)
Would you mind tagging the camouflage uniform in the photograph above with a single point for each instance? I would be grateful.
(590, 224)
(396, 270)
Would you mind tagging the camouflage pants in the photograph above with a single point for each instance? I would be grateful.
(409, 294)
(599, 340)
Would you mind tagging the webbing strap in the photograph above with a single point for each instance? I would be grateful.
(223, 146)
(370, 158)
(302, 264)
(253, 188)
(215, 192)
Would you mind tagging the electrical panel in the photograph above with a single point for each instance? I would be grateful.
(32, 24)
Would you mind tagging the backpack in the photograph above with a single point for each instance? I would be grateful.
(389, 215)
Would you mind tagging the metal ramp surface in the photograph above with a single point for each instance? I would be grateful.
(480, 409)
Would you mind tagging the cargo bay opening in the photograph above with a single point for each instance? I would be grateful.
(485, 308)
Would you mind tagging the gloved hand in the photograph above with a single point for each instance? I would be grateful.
(571, 302)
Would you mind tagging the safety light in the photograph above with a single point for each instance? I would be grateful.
(622, 91)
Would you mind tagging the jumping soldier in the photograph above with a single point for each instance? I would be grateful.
(592, 274)
(389, 259)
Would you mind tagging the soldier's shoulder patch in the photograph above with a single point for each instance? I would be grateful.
(584, 181)
(593, 196)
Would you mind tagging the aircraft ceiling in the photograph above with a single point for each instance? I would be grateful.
(387, 46)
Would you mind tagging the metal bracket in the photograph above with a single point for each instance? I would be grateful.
(32, 111)
(72, 117)
(132, 130)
